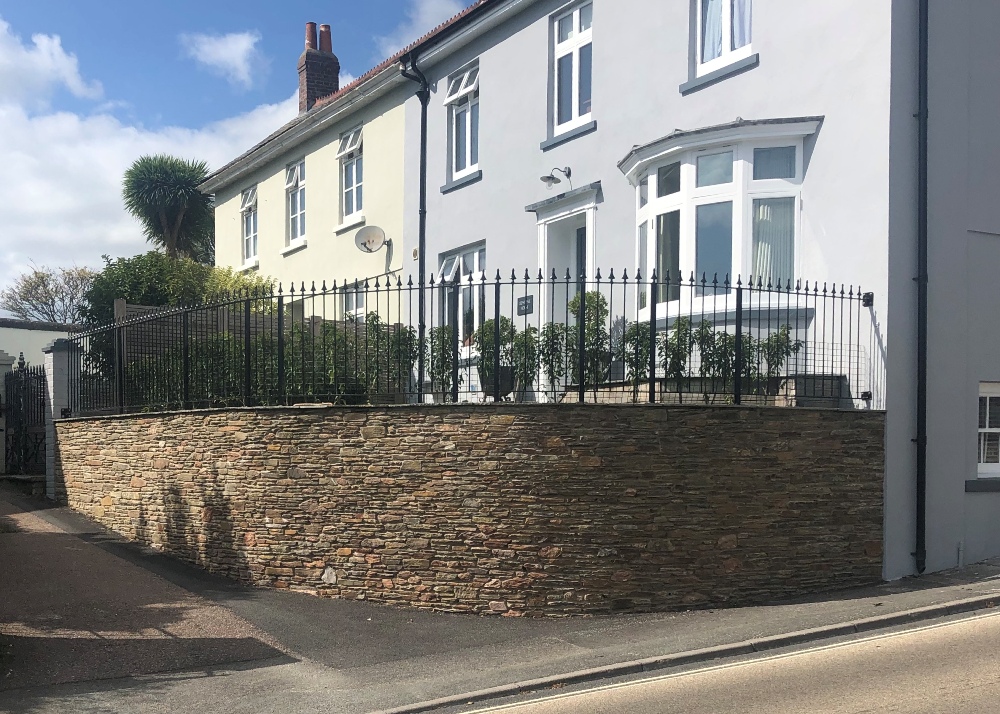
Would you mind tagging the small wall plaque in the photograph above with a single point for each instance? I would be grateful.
(525, 305)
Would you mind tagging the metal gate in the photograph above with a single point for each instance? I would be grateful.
(24, 409)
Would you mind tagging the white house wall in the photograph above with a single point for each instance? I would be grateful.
(641, 57)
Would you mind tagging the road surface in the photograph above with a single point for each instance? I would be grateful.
(952, 667)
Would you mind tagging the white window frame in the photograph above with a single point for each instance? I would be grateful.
(351, 157)
(351, 294)
(295, 186)
(741, 192)
(571, 46)
(729, 54)
(986, 390)
(451, 268)
(248, 217)
(463, 94)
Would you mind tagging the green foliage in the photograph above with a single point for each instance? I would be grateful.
(525, 361)
(634, 354)
(441, 359)
(552, 353)
(343, 362)
(674, 348)
(596, 340)
(484, 340)
(154, 279)
(162, 193)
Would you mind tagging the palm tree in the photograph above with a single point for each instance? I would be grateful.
(162, 193)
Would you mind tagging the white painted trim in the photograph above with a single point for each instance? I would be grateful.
(353, 221)
(295, 245)
(668, 147)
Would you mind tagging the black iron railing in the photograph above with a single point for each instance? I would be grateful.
(523, 338)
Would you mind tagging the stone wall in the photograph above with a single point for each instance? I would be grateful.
(515, 509)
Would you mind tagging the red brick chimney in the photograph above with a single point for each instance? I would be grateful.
(319, 69)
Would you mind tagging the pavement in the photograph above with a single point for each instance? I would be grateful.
(90, 623)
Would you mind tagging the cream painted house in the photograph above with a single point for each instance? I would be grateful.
(292, 206)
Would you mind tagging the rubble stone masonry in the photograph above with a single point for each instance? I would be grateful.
(509, 509)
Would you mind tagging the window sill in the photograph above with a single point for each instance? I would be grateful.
(295, 246)
(983, 484)
(352, 222)
(569, 135)
(250, 265)
(458, 183)
(706, 80)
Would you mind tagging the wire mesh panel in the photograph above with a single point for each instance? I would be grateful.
(519, 337)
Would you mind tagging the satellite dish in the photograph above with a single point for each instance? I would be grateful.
(370, 239)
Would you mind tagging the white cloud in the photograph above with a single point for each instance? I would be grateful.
(422, 16)
(61, 183)
(31, 73)
(234, 56)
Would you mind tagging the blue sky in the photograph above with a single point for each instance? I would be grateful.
(87, 86)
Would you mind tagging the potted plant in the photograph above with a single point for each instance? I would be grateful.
(491, 353)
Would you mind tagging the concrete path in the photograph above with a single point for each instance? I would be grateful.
(90, 623)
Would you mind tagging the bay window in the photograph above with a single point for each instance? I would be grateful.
(716, 212)
(573, 67)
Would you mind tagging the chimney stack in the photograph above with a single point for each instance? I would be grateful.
(319, 69)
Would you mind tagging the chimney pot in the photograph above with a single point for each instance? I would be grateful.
(325, 42)
(319, 68)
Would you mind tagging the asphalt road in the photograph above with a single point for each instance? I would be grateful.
(953, 667)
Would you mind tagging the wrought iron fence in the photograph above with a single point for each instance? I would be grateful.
(523, 338)
(24, 413)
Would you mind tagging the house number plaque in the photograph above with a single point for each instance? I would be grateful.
(525, 305)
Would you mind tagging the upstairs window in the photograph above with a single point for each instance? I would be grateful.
(573, 66)
(352, 173)
(463, 102)
(724, 33)
(295, 188)
(248, 213)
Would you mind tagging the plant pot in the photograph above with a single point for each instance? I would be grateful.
(506, 382)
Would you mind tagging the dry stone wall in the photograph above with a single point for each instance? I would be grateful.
(518, 510)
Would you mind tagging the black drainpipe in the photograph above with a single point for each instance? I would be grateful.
(922, 279)
(408, 68)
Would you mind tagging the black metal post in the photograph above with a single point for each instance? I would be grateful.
(738, 367)
(581, 340)
(496, 339)
(281, 349)
(410, 70)
(455, 288)
(654, 297)
(120, 368)
(186, 359)
(246, 353)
